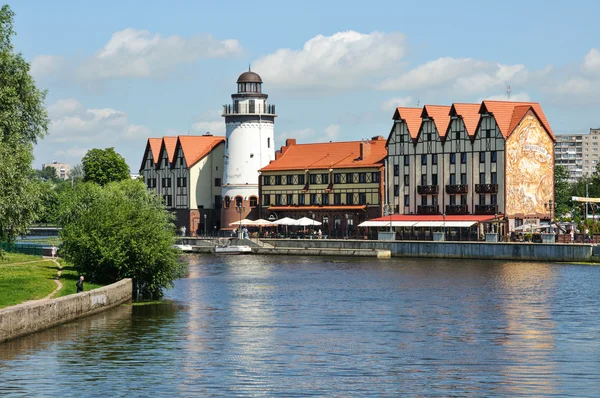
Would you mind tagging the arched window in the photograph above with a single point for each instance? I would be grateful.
(238, 201)
(258, 87)
(227, 201)
(268, 142)
(253, 201)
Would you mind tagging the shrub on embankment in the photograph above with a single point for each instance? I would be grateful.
(120, 231)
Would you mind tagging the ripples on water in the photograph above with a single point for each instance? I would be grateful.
(293, 326)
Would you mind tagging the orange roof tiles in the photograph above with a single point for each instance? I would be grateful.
(329, 155)
(440, 115)
(155, 144)
(412, 117)
(197, 147)
(469, 113)
(504, 113)
(169, 143)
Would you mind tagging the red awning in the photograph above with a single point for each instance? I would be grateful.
(438, 217)
(316, 208)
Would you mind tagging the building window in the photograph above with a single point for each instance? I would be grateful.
(227, 201)
(324, 198)
(494, 199)
(312, 178)
(278, 199)
(266, 200)
(313, 198)
(488, 133)
(494, 178)
(277, 180)
(301, 179)
(463, 200)
(463, 178)
(424, 160)
(396, 170)
(218, 202)
(406, 200)
(401, 138)
(396, 190)
(494, 156)
(423, 200)
(434, 158)
(266, 180)
(434, 180)
(406, 160)
(324, 178)
(406, 179)
(166, 182)
(181, 182)
(289, 199)
(375, 176)
(452, 200)
(337, 198)
(349, 178)
(452, 158)
(253, 201)
(362, 198)
(482, 178)
(268, 142)
(238, 201)
(217, 182)
(452, 179)
(482, 199)
(168, 200)
(481, 157)
(463, 157)
(301, 199)
(349, 198)
(423, 179)
(362, 178)
(457, 135)
(337, 178)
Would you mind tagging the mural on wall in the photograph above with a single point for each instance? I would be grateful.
(529, 168)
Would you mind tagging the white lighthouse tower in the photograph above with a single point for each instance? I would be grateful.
(249, 122)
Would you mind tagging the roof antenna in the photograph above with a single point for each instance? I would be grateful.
(249, 67)
(508, 93)
(418, 103)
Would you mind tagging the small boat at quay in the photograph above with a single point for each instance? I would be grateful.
(227, 248)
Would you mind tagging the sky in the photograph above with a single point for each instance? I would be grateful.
(119, 72)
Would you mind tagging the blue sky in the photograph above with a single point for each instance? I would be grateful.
(119, 72)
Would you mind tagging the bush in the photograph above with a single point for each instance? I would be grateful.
(120, 231)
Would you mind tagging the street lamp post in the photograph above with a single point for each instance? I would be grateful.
(205, 225)
(346, 215)
(313, 227)
(240, 210)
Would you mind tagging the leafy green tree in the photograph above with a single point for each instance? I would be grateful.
(562, 192)
(103, 166)
(47, 174)
(118, 231)
(76, 172)
(23, 120)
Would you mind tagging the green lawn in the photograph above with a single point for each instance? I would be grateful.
(33, 280)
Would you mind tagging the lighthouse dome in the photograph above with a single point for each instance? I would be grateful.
(249, 77)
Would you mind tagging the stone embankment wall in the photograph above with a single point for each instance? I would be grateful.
(30, 317)
(469, 250)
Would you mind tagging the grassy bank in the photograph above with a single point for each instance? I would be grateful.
(24, 278)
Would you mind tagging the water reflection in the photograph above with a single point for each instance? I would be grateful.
(295, 326)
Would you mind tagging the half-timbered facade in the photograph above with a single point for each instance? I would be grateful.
(337, 184)
(186, 172)
(454, 161)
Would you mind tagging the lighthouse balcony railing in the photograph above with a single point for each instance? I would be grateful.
(248, 109)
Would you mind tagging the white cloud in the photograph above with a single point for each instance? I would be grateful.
(72, 122)
(345, 59)
(465, 74)
(214, 127)
(591, 62)
(391, 104)
(44, 65)
(74, 152)
(518, 97)
(331, 133)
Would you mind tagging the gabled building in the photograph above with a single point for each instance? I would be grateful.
(494, 158)
(186, 172)
(339, 184)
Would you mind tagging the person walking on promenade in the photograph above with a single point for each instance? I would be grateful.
(79, 284)
(183, 231)
(53, 251)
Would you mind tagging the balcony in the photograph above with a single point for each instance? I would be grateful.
(457, 209)
(456, 189)
(486, 188)
(248, 109)
(427, 189)
(486, 209)
(428, 209)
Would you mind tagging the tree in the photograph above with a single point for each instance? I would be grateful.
(562, 191)
(23, 120)
(47, 174)
(103, 166)
(76, 172)
(118, 231)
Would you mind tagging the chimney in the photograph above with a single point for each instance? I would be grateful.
(365, 149)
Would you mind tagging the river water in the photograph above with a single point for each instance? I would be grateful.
(294, 326)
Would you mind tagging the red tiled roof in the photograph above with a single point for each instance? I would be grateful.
(305, 208)
(412, 117)
(437, 217)
(328, 155)
(469, 113)
(440, 115)
(155, 147)
(504, 113)
(197, 147)
(169, 143)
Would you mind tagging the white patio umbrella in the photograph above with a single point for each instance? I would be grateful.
(286, 221)
(305, 221)
(262, 223)
(243, 222)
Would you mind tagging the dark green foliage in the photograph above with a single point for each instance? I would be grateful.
(47, 174)
(120, 231)
(23, 120)
(562, 191)
(103, 166)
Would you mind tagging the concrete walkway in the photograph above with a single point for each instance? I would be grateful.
(59, 284)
